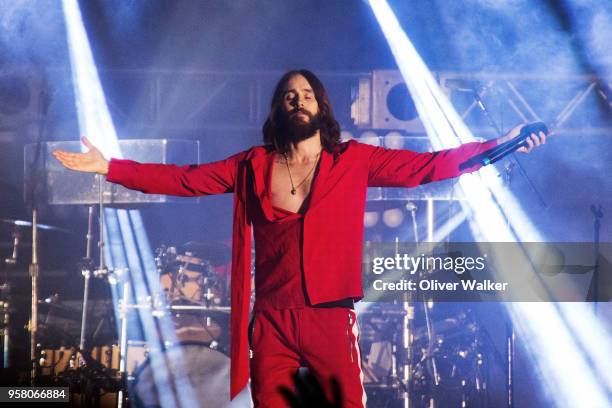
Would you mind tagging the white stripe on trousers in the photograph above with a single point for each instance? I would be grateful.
(355, 342)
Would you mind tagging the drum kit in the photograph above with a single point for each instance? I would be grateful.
(193, 293)
(414, 360)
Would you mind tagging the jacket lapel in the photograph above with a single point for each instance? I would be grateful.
(260, 166)
(321, 183)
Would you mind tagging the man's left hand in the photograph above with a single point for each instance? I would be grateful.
(533, 140)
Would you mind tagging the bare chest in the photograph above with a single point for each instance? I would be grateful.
(297, 178)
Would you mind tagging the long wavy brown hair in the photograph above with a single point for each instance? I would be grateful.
(330, 129)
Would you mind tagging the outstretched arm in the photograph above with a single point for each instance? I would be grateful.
(405, 168)
(192, 180)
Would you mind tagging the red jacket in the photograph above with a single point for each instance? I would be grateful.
(333, 222)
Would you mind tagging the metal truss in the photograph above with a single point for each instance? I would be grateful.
(569, 104)
(239, 100)
(197, 99)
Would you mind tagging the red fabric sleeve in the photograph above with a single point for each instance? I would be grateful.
(191, 180)
(406, 168)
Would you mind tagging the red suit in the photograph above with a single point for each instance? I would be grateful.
(332, 226)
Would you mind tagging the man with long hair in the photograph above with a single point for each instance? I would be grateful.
(303, 193)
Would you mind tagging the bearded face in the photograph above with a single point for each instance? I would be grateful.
(298, 124)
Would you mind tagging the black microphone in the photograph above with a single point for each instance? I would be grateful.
(516, 143)
(504, 149)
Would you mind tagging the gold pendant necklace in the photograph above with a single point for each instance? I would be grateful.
(294, 187)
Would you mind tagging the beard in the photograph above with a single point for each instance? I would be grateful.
(295, 129)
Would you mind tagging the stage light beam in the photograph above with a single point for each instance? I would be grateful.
(497, 216)
(128, 247)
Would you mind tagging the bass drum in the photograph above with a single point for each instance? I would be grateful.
(187, 375)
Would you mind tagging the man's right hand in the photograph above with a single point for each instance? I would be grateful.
(92, 162)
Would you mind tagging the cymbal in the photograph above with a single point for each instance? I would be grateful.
(28, 224)
(215, 252)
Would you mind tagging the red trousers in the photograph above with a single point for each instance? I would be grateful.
(326, 340)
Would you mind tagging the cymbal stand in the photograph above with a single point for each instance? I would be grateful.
(431, 214)
(86, 272)
(113, 276)
(33, 324)
(31, 197)
(123, 340)
(5, 301)
(407, 350)
(101, 272)
(409, 314)
(403, 348)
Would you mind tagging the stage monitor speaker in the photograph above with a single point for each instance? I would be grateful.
(383, 101)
